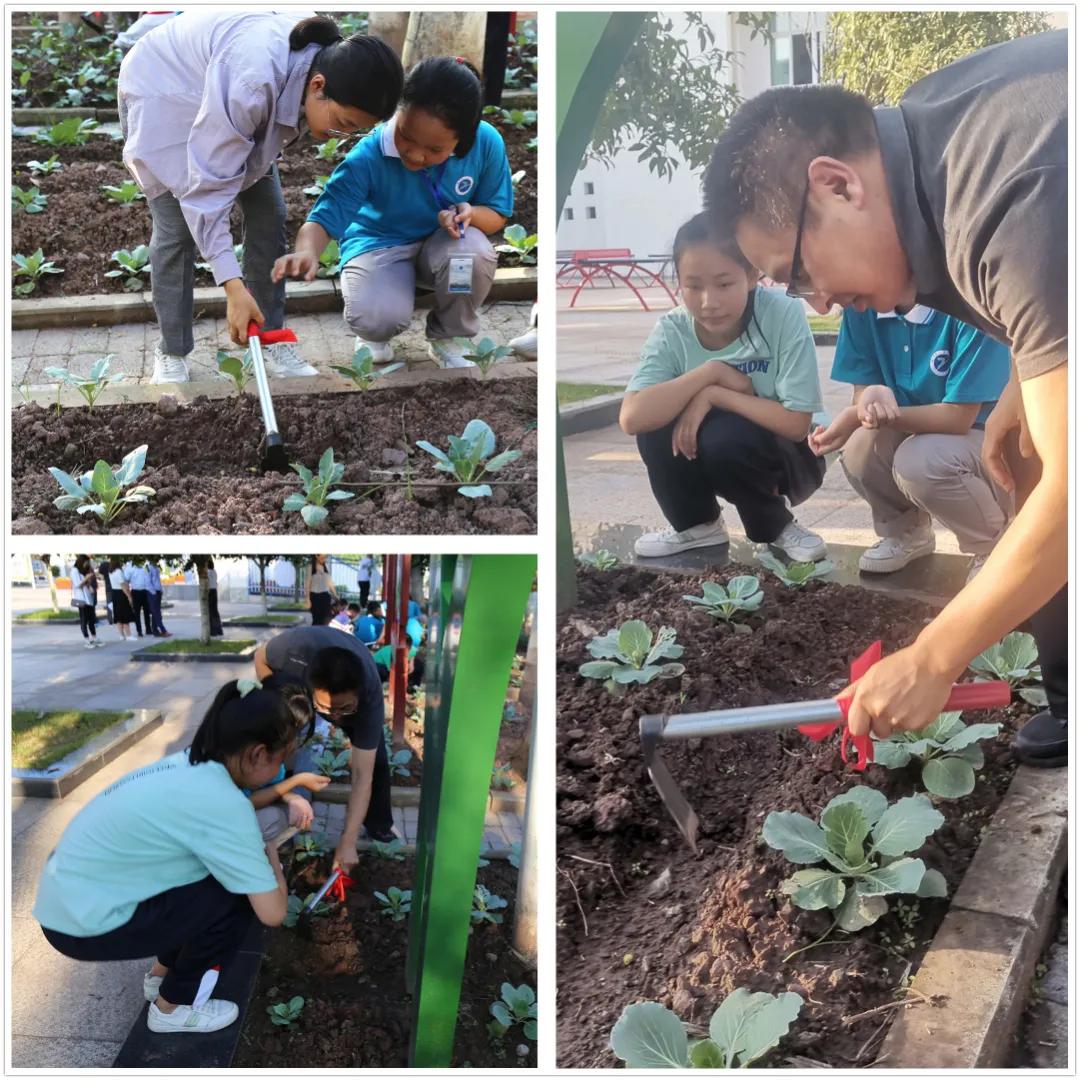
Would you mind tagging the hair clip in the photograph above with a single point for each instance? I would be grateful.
(245, 686)
(459, 59)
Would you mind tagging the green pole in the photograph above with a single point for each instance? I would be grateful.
(590, 48)
(490, 593)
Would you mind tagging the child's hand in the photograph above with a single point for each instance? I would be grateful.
(825, 440)
(295, 264)
(877, 407)
(685, 432)
(301, 814)
(456, 220)
(311, 781)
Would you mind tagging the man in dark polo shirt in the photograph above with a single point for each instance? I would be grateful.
(346, 689)
(957, 199)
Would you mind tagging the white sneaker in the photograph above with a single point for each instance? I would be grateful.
(212, 1016)
(976, 564)
(895, 552)
(283, 361)
(525, 345)
(151, 986)
(448, 353)
(655, 545)
(169, 368)
(382, 352)
(89, 645)
(799, 544)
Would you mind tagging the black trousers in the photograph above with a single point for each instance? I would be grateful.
(320, 608)
(1050, 625)
(216, 629)
(380, 814)
(365, 592)
(87, 621)
(190, 929)
(140, 604)
(738, 460)
(157, 626)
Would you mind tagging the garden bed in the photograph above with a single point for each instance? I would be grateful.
(203, 461)
(351, 974)
(722, 923)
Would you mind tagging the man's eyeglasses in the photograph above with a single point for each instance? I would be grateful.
(799, 286)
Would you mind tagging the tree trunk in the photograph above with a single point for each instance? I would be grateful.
(52, 582)
(298, 584)
(262, 584)
(389, 26)
(445, 33)
(204, 605)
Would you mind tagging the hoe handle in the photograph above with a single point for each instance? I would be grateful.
(979, 695)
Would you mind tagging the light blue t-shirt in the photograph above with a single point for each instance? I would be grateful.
(372, 201)
(162, 826)
(925, 357)
(776, 352)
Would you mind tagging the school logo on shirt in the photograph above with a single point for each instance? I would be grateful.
(463, 186)
(940, 361)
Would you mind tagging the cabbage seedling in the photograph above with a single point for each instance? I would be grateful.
(126, 194)
(486, 906)
(397, 759)
(516, 1005)
(394, 850)
(861, 877)
(329, 261)
(330, 764)
(70, 132)
(362, 372)
(485, 352)
(90, 386)
(238, 368)
(395, 902)
(316, 189)
(501, 778)
(469, 458)
(628, 655)
(286, 1013)
(794, 575)
(310, 846)
(601, 560)
(133, 265)
(33, 268)
(743, 1029)
(330, 150)
(947, 749)
(742, 593)
(317, 490)
(30, 201)
(101, 491)
(1014, 659)
(44, 168)
(296, 905)
(519, 242)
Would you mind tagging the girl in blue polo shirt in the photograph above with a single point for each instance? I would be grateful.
(721, 405)
(923, 384)
(415, 201)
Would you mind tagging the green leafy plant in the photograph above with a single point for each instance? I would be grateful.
(515, 118)
(741, 594)
(295, 907)
(861, 876)
(70, 132)
(743, 1029)
(397, 759)
(133, 266)
(90, 386)
(318, 490)
(519, 242)
(501, 780)
(33, 268)
(395, 902)
(516, 1005)
(101, 491)
(286, 1013)
(330, 261)
(486, 906)
(601, 560)
(44, 168)
(484, 353)
(394, 850)
(1014, 659)
(126, 194)
(238, 368)
(362, 371)
(310, 846)
(797, 574)
(28, 201)
(317, 188)
(947, 749)
(330, 150)
(330, 764)
(629, 655)
(469, 458)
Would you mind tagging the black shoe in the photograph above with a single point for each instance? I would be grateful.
(1044, 741)
(384, 837)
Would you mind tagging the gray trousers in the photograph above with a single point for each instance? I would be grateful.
(909, 479)
(379, 287)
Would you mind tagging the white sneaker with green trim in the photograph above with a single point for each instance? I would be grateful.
(656, 545)
(213, 1015)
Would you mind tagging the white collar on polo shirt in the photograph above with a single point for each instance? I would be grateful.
(919, 315)
(386, 139)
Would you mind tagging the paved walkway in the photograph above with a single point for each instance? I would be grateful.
(66, 1014)
(323, 338)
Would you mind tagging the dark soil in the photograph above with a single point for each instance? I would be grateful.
(203, 461)
(722, 923)
(351, 974)
(80, 228)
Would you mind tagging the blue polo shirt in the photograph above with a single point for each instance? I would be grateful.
(924, 357)
(372, 201)
(368, 628)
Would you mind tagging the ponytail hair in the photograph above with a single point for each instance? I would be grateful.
(449, 88)
(266, 717)
(361, 72)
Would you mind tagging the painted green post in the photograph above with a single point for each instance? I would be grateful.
(478, 645)
(591, 47)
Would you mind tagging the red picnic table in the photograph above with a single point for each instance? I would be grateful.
(616, 266)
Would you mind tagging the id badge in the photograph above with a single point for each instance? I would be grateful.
(461, 272)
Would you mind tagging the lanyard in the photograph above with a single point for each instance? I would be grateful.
(435, 187)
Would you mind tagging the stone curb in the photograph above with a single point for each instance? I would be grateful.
(302, 297)
(982, 960)
(142, 656)
(240, 623)
(64, 776)
(336, 792)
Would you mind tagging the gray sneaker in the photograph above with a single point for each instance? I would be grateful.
(656, 545)
(799, 544)
(169, 368)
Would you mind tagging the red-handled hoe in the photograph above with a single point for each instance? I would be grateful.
(275, 458)
(816, 719)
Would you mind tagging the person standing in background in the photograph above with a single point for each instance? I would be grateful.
(121, 599)
(320, 591)
(138, 578)
(364, 571)
(84, 594)
(216, 629)
(157, 627)
(103, 573)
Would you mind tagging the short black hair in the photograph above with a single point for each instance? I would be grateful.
(449, 88)
(373, 606)
(758, 167)
(354, 607)
(336, 671)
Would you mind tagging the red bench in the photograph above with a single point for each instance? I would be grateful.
(617, 267)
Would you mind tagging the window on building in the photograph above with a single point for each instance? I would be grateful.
(589, 188)
(590, 212)
(795, 51)
(568, 214)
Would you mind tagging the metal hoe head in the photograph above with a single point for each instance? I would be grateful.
(651, 729)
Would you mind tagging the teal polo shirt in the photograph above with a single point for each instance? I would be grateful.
(372, 201)
(924, 357)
